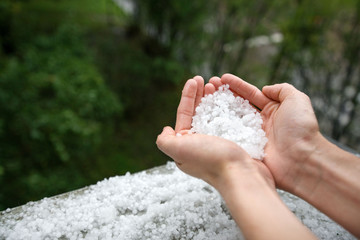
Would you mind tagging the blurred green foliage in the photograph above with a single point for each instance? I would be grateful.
(86, 86)
(79, 101)
(55, 108)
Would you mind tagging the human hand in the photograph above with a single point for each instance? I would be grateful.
(213, 159)
(244, 183)
(290, 125)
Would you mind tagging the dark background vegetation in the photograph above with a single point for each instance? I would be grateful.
(86, 85)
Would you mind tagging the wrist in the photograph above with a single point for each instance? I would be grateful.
(306, 170)
(330, 181)
(320, 162)
(245, 180)
(254, 204)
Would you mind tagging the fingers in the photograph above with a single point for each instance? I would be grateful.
(212, 86)
(216, 81)
(209, 89)
(200, 89)
(246, 90)
(279, 92)
(186, 107)
(165, 141)
(169, 143)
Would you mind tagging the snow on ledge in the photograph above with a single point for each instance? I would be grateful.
(161, 203)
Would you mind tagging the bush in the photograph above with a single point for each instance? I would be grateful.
(56, 113)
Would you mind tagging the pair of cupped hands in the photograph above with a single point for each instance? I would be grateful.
(288, 120)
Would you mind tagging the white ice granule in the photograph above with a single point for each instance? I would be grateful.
(163, 204)
(159, 205)
(233, 118)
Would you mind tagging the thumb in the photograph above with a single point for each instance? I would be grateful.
(279, 92)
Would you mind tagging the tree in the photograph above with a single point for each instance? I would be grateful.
(56, 114)
(320, 56)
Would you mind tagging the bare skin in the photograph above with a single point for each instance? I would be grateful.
(300, 159)
(247, 185)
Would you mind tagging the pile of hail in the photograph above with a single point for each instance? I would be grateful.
(231, 117)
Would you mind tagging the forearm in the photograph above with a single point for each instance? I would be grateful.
(331, 183)
(259, 212)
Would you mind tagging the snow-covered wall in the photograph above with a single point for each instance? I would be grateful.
(162, 203)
